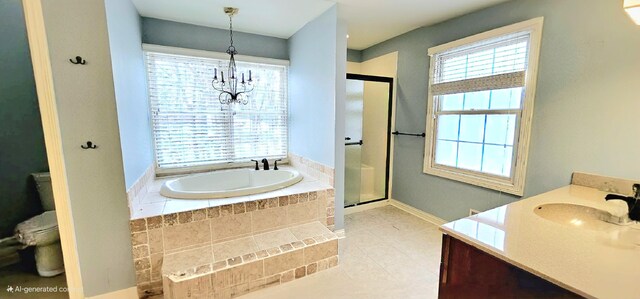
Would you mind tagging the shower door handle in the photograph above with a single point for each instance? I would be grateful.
(354, 143)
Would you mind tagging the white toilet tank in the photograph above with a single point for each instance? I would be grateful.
(43, 183)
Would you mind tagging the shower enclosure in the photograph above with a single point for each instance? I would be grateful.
(367, 140)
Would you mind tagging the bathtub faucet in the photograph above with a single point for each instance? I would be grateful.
(275, 164)
(257, 168)
(265, 164)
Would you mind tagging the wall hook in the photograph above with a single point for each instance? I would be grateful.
(89, 145)
(79, 60)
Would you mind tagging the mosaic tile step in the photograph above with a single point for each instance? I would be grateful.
(232, 268)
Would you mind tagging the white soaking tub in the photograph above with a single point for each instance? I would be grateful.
(229, 183)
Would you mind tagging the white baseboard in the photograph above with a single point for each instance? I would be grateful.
(130, 293)
(364, 207)
(418, 213)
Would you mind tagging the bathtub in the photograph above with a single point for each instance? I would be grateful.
(229, 183)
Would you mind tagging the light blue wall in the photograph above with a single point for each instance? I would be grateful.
(174, 34)
(354, 55)
(312, 89)
(129, 76)
(586, 107)
(22, 149)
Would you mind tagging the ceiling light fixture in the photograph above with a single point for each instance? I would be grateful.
(235, 89)
(632, 7)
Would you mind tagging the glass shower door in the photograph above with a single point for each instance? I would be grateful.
(353, 141)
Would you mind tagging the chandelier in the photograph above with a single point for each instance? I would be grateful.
(233, 89)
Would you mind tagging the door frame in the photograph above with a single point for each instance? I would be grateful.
(390, 81)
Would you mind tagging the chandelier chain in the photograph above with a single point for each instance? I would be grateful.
(231, 30)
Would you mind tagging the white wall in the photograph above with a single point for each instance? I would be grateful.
(354, 67)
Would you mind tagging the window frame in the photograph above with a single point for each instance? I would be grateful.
(203, 54)
(514, 184)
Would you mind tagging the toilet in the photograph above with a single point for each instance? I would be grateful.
(42, 231)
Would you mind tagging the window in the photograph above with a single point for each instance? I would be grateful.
(481, 92)
(191, 129)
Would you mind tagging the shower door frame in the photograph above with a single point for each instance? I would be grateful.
(388, 80)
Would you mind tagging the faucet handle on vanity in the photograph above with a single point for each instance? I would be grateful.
(275, 164)
(257, 168)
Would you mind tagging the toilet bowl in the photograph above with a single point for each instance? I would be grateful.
(42, 231)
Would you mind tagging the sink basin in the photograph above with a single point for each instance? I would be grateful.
(578, 216)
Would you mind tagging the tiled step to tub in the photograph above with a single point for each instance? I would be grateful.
(233, 268)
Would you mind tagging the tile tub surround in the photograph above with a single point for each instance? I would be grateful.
(156, 236)
(140, 188)
(234, 268)
(317, 170)
(154, 204)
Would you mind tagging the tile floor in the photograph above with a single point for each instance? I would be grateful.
(388, 253)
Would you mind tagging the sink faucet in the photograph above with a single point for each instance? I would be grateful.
(265, 164)
(633, 202)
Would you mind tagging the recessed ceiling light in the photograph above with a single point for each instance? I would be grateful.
(347, 36)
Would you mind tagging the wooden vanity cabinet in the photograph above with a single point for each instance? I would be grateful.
(467, 272)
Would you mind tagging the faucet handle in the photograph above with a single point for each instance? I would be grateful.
(275, 164)
(636, 191)
(257, 168)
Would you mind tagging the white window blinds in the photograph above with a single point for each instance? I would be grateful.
(192, 128)
(497, 63)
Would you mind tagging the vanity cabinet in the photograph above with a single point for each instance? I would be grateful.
(467, 272)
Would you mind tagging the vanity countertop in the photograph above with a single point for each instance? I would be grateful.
(591, 263)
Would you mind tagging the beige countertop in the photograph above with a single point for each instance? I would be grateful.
(602, 263)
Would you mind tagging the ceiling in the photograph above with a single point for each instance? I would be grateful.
(369, 21)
